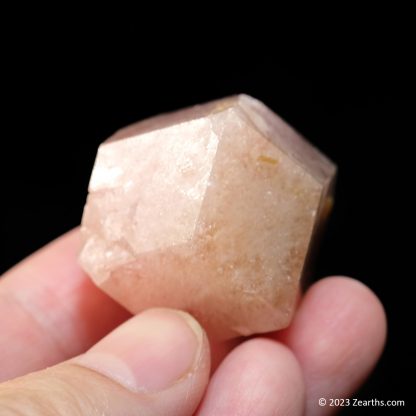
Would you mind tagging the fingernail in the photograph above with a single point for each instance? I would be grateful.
(150, 352)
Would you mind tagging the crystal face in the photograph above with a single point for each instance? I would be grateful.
(212, 209)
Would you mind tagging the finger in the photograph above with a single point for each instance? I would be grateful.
(157, 363)
(50, 310)
(337, 335)
(259, 377)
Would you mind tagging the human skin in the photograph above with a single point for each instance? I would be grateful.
(68, 349)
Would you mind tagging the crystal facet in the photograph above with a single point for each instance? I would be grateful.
(210, 209)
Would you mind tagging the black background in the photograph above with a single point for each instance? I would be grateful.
(65, 88)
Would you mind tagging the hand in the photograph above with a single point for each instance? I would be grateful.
(158, 363)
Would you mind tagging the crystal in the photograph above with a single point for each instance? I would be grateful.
(212, 209)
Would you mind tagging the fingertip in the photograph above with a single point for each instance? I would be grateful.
(338, 335)
(259, 377)
(343, 299)
(150, 352)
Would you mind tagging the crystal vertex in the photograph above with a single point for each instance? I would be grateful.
(212, 209)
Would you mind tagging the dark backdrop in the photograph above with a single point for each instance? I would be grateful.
(65, 89)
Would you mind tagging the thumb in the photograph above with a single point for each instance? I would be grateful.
(157, 363)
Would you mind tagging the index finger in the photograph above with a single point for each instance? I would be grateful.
(50, 310)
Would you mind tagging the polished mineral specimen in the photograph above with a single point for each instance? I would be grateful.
(211, 209)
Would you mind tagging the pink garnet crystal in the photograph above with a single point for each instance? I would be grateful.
(212, 209)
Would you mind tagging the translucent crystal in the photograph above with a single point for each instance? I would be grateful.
(210, 209)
